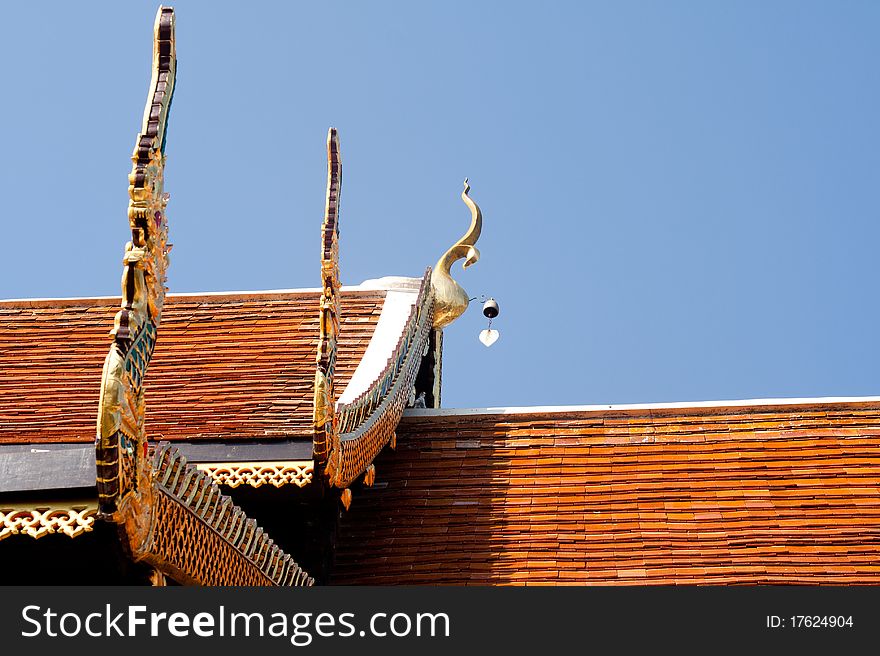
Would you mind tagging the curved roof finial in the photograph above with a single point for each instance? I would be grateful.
(324, 420)
(121, 414)
(450, 300)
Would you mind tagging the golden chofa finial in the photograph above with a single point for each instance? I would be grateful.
(450, 300)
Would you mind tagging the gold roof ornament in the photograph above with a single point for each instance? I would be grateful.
(348, 435)
(324, 417)
(121, 442)
(169, 514)
(450, 300)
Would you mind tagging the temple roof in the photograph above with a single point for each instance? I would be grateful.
(272, 388)
(236, 366)
(737, 492)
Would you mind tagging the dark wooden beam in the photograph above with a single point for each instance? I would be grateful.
(29, 467)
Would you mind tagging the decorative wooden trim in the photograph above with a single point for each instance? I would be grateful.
(347, 437)
(368, 423)
(38, 519)
(257, 474)
(220, 544)
(325, 426)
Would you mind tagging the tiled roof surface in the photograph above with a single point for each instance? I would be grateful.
(234, 366)
(772, 494)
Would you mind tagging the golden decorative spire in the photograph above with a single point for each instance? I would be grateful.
(450, 300)
(169, 514)
(121, 438)
(325, 429)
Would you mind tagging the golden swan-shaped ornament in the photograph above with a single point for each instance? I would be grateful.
(450, 300)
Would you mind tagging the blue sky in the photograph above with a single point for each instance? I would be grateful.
(680, 198)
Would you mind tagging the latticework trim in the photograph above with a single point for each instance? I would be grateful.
(257, 474)
(199, 536)
(37, 521)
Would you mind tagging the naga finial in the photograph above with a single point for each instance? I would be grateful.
(450, 300)
(121, 444)
(325, 436)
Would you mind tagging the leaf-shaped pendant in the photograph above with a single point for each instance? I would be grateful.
(489, 337)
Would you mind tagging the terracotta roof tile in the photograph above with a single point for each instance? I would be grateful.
(766, 494)
(235, 366)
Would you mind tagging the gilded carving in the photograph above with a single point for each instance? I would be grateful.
(170, 515)
(121, 445)
(450, 300)
(348, 437)
(257, 474)
(39, 519)
(325, 426)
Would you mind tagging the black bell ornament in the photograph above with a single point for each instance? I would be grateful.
(490, 308)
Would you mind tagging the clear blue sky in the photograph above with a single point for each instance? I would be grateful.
(680, 199)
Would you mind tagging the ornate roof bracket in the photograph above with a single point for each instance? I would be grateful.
(450, 300)
(325, 429)
(169, 514)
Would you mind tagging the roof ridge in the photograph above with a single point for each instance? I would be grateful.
(464, 412)
(209, 296)
(388, 283)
